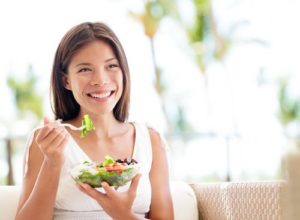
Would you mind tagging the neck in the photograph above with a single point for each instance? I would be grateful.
(106, 125)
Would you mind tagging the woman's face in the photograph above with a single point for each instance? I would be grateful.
(95, 78)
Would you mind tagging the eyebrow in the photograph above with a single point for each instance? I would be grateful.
(110, 59)
(83, 64)
(89, 64)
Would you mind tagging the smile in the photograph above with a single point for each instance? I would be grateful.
(101, 95)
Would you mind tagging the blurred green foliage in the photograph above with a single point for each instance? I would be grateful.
(154, 12)
(25, 94)
(206, 39)
(289, 107)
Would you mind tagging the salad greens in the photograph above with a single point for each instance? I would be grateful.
(107, 161)
(115, 172)
(87, 125)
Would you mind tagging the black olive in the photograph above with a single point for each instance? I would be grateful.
(127, 160)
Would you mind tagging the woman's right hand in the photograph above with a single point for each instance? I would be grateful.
(52, 139)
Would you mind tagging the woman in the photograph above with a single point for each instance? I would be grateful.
(91, 76)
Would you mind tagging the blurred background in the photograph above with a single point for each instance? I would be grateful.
(218, 78)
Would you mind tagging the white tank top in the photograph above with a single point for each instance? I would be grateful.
(71, 203)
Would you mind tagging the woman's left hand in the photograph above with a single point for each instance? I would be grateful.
(116, 204)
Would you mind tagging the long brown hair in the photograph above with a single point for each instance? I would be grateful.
(63, 103)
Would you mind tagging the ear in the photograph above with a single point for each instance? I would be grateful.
(65, 81)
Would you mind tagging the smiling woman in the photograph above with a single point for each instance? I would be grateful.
(90, 76)
(95, 76)
(99, 69)
(254, 106)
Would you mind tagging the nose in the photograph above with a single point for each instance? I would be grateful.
(100, 77)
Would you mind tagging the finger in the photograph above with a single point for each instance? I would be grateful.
(43, 132)
(109, 190)
(54, 136)
(64, 141)
(59, 143)
(46, 130)
(134, 183)
(46, 120)
(87, 189)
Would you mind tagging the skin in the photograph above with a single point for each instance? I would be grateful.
(93, 72)
(42, 176)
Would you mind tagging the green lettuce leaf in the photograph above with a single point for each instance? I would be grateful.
(87, 126)
(113, 178)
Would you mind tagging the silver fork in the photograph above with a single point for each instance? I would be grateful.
(72, 126)
(67, 125)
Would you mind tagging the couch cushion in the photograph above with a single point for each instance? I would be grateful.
(252, 201)
(243, 200)
(184, 201)
(211, 201)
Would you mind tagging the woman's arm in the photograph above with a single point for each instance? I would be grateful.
(161, 201)
(42, 174)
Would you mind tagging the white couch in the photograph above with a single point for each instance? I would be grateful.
(183, 196)
(204, 201)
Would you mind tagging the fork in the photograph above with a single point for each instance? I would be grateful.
(67, 125)
(72, 126)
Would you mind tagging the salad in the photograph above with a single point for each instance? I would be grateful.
(87, 125)
(115, 172)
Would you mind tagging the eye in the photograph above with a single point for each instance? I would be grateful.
(113, 65)
(84, 69)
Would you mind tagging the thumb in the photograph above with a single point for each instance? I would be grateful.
(134, 183)
(46, 120)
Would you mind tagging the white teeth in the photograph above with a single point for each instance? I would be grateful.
(102, 95)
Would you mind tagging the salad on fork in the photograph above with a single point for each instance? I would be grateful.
(87, 125)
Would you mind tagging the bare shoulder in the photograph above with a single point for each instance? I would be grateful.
(159, 152)
(156, 140)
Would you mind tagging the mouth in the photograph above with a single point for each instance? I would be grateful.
(101, 96)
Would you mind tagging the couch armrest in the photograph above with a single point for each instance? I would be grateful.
(184, 201)
(9, 197)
